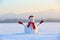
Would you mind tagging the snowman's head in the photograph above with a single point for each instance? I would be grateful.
(31, 18)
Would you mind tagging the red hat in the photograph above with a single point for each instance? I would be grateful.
(30, 16)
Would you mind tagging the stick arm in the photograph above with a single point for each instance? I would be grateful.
(40, 22)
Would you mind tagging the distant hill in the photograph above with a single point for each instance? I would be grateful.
(48, 16)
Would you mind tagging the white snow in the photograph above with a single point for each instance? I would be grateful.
(29, 37)
(15, 31)
(45, 28)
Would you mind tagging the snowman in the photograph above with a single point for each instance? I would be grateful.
(31, 27)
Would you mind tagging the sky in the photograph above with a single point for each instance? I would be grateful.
(24, 6)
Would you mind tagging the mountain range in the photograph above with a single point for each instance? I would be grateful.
(46, 15)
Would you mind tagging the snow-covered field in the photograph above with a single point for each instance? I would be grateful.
(15, 31)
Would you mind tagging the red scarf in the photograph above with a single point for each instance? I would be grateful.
(33, 25)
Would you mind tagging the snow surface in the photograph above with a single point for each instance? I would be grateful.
(15, 31)
(28, 37)
(45, 28)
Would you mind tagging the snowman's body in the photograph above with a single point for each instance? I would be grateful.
(30, 30)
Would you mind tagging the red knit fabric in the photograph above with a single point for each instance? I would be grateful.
(33, 25)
